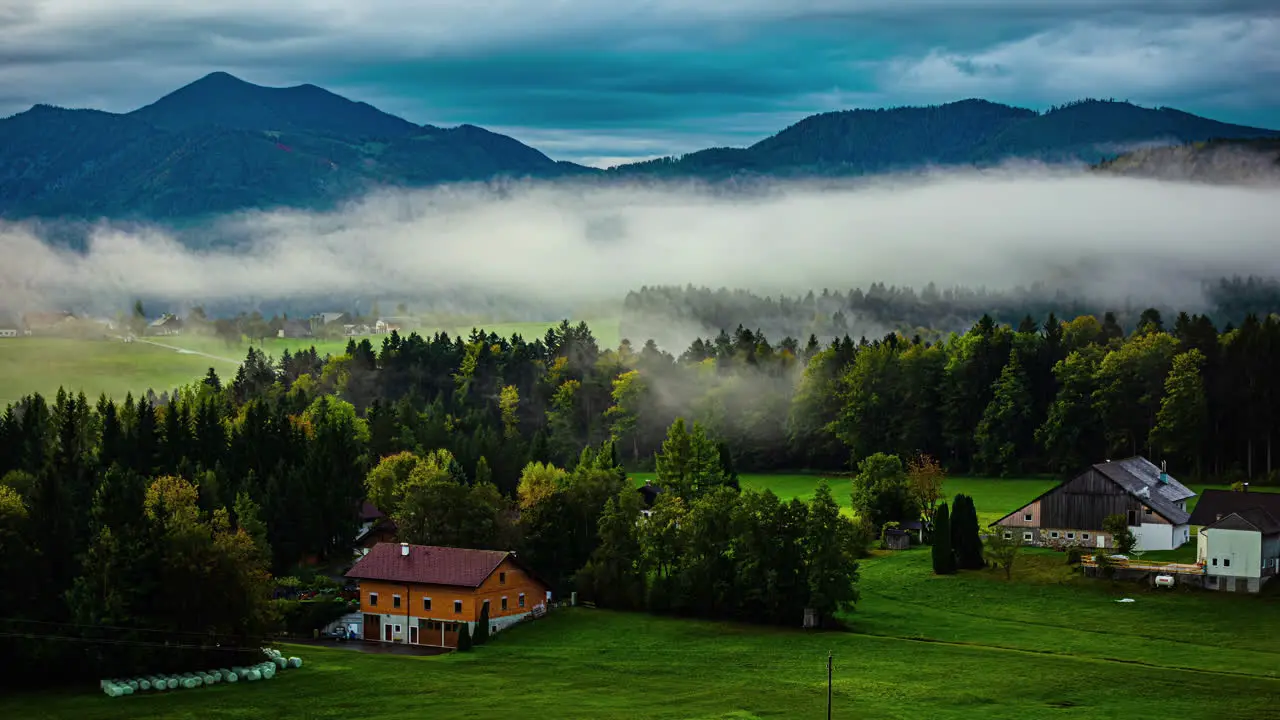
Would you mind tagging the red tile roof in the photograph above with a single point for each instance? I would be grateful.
(428, 565)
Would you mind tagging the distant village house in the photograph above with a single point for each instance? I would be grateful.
(386, 326)
(46, 323)
(295, 329)
(167, 324)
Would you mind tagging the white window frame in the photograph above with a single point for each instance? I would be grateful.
(521, 599)
(395, 601)
(395, 629)
(1053, 534)
(373, 599)
(504, 604)
(426, 604)
(1026, 517)
(1027, 536)
(1071, 536)
(1008, 535)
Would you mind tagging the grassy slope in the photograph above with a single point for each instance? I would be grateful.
(922, 646)
(95, 366)
(107, 366)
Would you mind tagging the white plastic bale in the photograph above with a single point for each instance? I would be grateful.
(295, 662)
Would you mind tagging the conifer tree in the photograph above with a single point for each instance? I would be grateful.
(464, 637)
(944, 560)
(965, 540)
(482, 626)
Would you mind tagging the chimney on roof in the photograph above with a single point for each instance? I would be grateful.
(404, 549)
(1164, 473)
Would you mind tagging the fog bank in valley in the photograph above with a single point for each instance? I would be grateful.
(553, 246)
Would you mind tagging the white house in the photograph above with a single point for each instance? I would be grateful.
(1238, 540)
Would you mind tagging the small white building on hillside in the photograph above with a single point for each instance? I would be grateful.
(1238, 540)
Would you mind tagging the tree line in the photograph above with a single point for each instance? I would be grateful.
(668, 314)
(164, 517)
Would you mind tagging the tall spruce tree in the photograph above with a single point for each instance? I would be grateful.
(966, 541)
(944, 559)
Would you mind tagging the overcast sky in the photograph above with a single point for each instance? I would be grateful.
(602, 81)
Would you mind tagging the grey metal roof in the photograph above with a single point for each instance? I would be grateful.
(1254, 518)
(1217, 505)
(1141, 478)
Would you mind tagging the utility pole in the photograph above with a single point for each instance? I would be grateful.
(828, 685)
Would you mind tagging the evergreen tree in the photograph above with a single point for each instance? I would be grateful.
(831, 556)
(464, 637)
(1005, 432)
(482, 626)
(966, 540)
(944, 559)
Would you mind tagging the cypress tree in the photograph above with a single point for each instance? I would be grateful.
(944, 560)
(464, 637)
(482, 625)
(966, 542)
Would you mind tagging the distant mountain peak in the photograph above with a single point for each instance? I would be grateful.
(221, 99)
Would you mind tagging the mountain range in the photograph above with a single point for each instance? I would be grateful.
(221, 144)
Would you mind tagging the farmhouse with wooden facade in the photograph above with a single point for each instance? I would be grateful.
(423, 594)
(1072, 513)
(1238, 540)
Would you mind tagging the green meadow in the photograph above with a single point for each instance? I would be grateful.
(1047, 644)
(113, 367)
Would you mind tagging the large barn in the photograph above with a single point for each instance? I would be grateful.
(1151, 500)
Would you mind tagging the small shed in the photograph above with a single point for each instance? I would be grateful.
(895, 539)
(914, 528)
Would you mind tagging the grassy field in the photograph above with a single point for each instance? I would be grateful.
(994, 497)
(1048, 643)
(920, 646)
(41, 365)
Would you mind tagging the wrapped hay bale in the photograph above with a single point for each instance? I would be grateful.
(125, 689)
(171, 682)
(231, 677)
(295, 662)
(280, 662)
(211, 679)
(253, 675)
(133, 684)
(144, 684)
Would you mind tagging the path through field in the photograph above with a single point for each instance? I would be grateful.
(187, 351)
